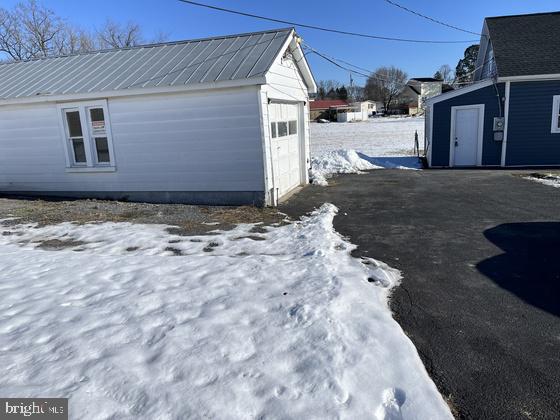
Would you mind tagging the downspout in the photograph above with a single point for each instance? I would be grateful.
(506, 124)
(274, 191)
(494, 80)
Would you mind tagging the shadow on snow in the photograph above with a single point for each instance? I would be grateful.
(396, 162)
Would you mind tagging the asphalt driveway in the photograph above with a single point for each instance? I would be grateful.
(480, 298)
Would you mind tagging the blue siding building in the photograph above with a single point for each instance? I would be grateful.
(510, 115)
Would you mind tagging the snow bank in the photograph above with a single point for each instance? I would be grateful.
(337, 162)
(548, 179)
(352, 162)
(130, 321)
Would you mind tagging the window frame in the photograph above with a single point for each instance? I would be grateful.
(88, 135)
(69, 138)
(290, 129)
(555, 123)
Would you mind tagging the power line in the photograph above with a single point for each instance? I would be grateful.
(320, 28)
(332, 61)
(336, 61)
(371, 74)
(439, 22)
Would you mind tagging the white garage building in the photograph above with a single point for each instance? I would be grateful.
(220, 120)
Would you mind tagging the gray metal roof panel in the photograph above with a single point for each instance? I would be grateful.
(180, 63)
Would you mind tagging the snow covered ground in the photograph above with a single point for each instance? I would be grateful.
(374, 144)
(130, 321)
(546, 179)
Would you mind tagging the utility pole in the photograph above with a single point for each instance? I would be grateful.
(350, 89)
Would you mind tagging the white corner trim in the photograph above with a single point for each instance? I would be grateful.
(480, 140)
(459, 92)
(430, 139)
(555, 123)
(506, 123)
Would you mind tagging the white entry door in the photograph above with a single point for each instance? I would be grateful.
(467, 125)
(286, 146)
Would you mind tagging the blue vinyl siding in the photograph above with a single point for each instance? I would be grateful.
(530, 141)
(491, 150)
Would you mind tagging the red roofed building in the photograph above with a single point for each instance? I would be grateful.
(326, 108)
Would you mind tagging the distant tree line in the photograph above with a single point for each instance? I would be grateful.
(30, 30)
(331, 89)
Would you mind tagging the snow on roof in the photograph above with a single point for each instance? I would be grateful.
(225, 58)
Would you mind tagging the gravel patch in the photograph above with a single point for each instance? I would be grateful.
(186, 219)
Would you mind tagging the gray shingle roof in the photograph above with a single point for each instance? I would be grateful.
(526, 44)
(233, 57)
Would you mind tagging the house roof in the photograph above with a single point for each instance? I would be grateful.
(425, 79)
(414, 89)
(327, 103)
(446, 88)
(208, 60)
(526, 44)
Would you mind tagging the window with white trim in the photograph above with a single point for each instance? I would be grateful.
(87, 134)
(555, 127)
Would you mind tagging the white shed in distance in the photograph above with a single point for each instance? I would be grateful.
(221, 120)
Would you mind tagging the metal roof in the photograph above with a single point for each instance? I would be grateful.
(225, 58)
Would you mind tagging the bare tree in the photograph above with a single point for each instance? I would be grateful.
(445, 74)
(73, 40)
(115, 35)
(356, 93)
(28, 31)
(385, 84)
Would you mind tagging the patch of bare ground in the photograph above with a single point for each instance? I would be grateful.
(183, 219)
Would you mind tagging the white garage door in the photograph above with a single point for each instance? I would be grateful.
(286, 146)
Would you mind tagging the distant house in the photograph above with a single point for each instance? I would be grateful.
(420, 89)
(326, 109)
(219, 120)
(510, 116)
(359, 111)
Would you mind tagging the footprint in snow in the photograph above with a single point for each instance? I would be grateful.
(390, 409)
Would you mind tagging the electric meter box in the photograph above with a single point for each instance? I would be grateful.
(499, 123)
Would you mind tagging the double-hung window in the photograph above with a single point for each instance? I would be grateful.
(87, 136)
(555, 127)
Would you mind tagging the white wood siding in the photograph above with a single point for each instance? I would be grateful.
(203, 141)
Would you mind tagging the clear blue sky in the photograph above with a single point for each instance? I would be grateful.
(182, 21)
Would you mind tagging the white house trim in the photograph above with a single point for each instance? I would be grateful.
(431, 136)
(529, 78)
(459, 92)
(293, 44)
(555, 123)
(135, 92)
(480, 139)
(506, 122)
